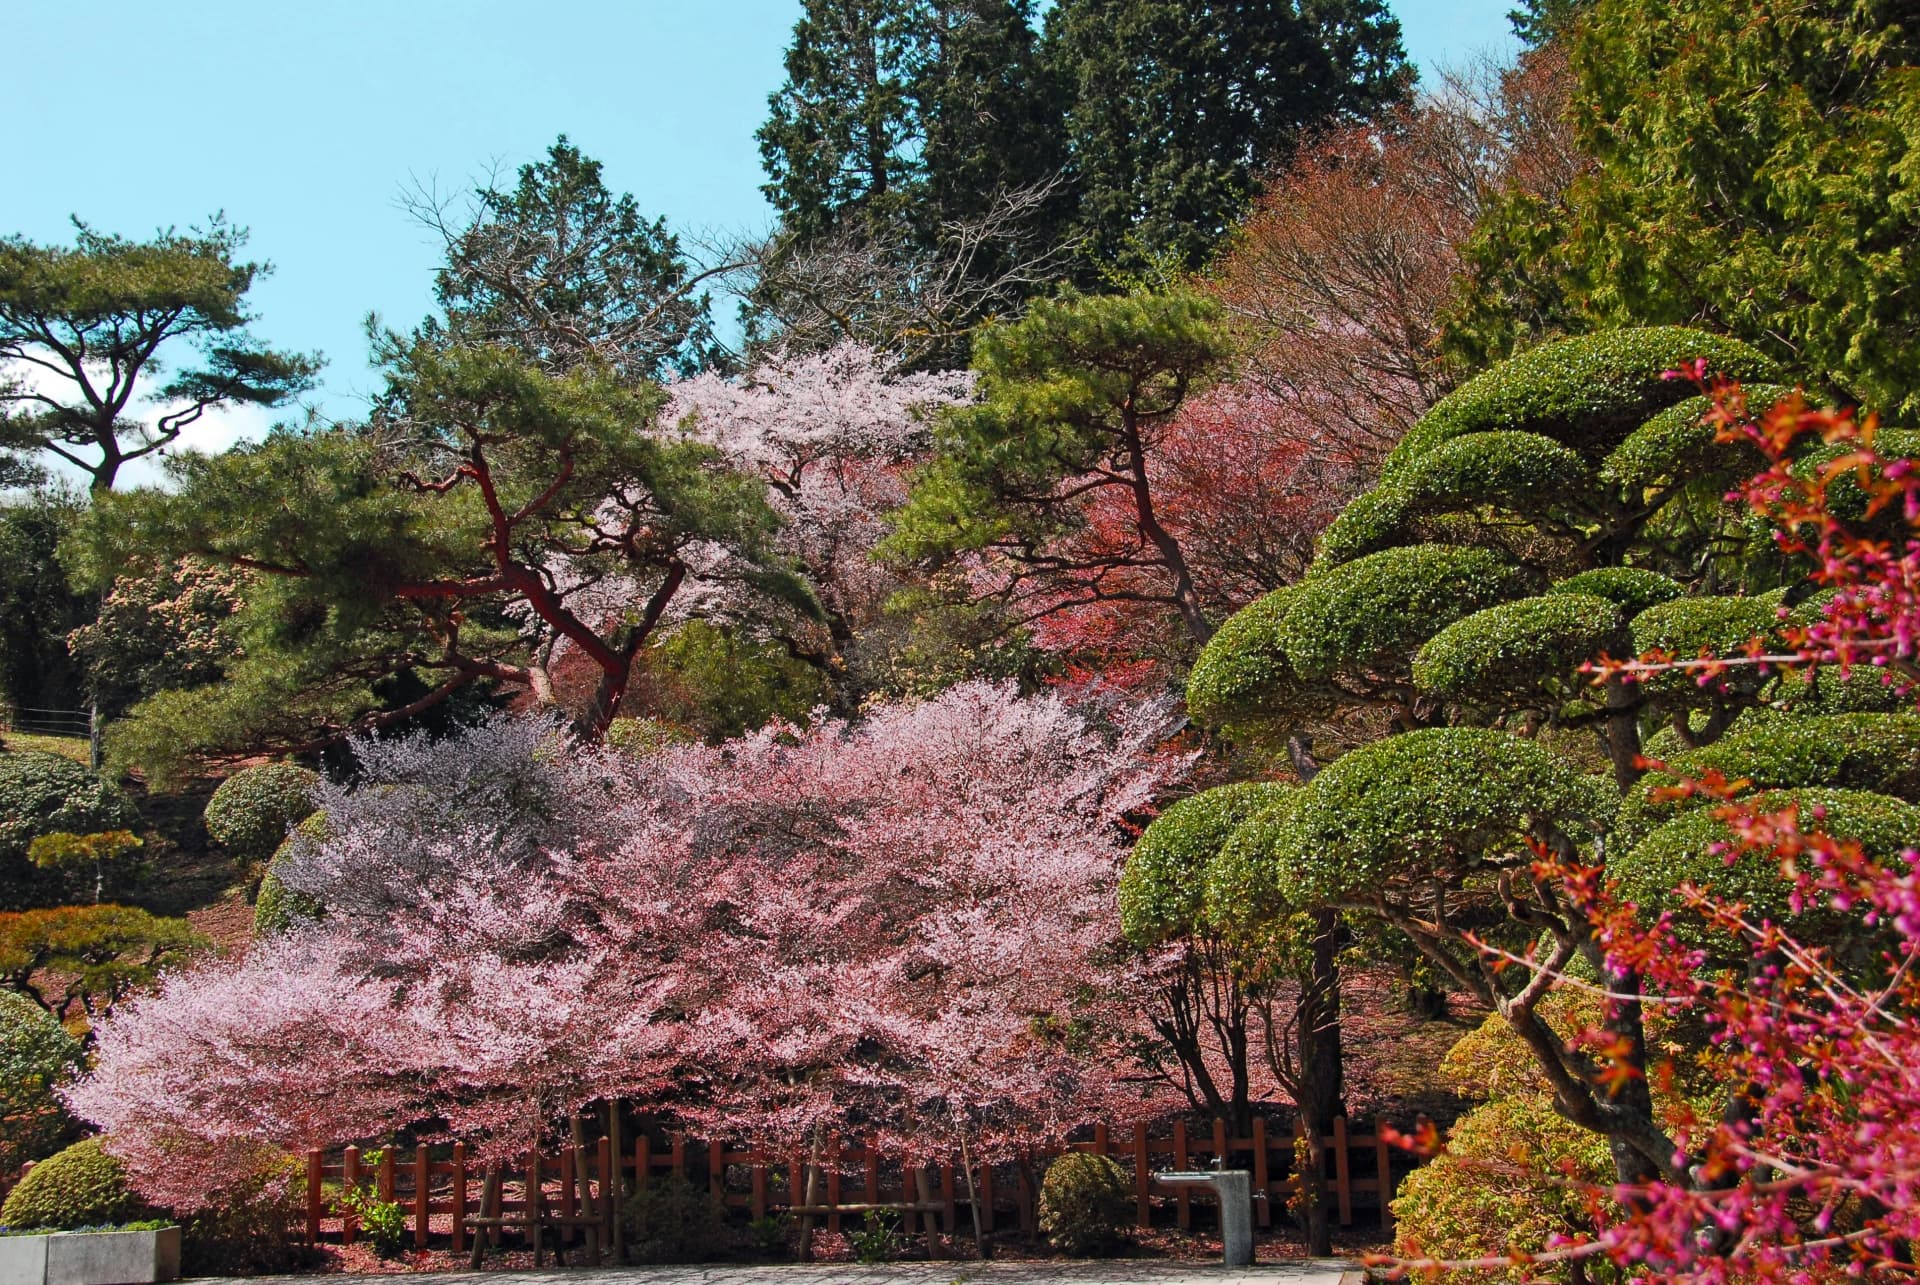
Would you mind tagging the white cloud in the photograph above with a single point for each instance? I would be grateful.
(216, 430)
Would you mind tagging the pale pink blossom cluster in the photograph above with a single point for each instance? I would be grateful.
(885, 927)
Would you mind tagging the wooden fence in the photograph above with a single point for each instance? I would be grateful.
(444, 1192)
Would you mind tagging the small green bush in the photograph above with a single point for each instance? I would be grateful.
(277, 908)
(82, 1186)
(36, 1057)
(251, 812)
(1502, 1185)
(41, 794)
(673, 1221)
(1086, 1203)
(383, 1223)
(878, 1238)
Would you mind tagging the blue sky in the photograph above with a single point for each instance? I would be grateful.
(304, 119)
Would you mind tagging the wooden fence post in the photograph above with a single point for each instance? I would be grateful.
(609, 1210)
(349, 1179)
(1383, 1158)
(1181, 1162)
(386, 1173)
(1262, 1203)
(459, 1197)
(568, 1207)
(1342, 1177)
(871, 1157)
(1142, 1177)
(833, 1184)
(1102, 1143)
(422, 1195)
(535, 1191)
(316, 1197)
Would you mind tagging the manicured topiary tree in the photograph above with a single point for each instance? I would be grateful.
(1567, 504)
(251, 812)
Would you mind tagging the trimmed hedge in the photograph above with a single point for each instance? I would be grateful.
(1632, 589)
(1243, 892)
(276, 907)
(82, 1186)
(1682, 851)
(251, 812)
(1514, 1176)
(1587, 392)
(1164, 884)
(1373, 613)
(1443, 798)
(1514, 648)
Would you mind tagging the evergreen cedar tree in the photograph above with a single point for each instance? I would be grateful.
(1752, 171)
(84, 328)
(880, 927)
(1566, 504)
(913, 113)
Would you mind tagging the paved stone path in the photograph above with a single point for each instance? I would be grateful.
(1133, 1271)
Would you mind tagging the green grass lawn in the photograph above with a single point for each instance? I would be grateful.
(73, 747)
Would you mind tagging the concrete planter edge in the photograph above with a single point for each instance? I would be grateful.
(91, 1258)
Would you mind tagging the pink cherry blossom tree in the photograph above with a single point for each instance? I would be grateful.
(831, 434)
(883, 926)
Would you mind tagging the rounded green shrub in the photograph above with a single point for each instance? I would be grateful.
(1683, 851)
(1086, 1202)
(36, 1057)
(276, 907)
(82, 1186)
(43, 794)
(1518, 472)
(670, 1220)
(1439, 799)
(1687, 628)
(1510, 1181)
(1587, 392)
(1243, 888)
(1371, 614)
(1845, 500)
(1242, 675)
(1371, 521)
(1164, 883)
(1632, 589)
(1876, 752)
(1514, 648)
(1675, 446)
(251, 812)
